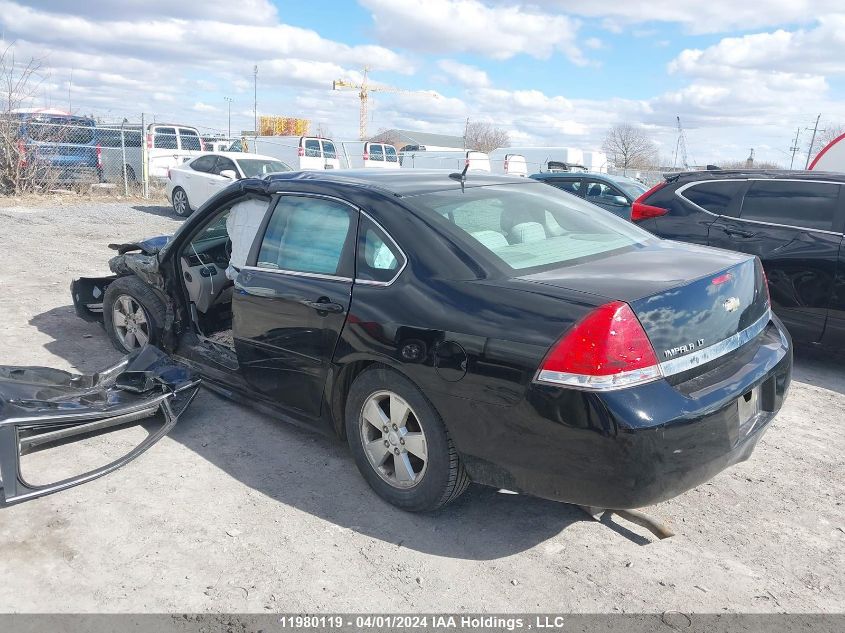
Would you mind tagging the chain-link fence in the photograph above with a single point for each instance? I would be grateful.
(648, 177)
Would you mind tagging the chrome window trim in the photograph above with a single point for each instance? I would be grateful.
(683, 188)
(717, 350)
(296, 273)
(383, 284)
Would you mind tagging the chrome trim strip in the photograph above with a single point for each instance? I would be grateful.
(622, 380)
(296, 273)
(717, 350)
(369, 282)
(683, 188)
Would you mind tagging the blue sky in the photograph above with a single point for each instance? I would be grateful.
(553, 72)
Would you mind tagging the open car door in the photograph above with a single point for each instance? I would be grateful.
(59, 429)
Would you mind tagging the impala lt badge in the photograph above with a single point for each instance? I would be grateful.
(731, 304)
(683, 349)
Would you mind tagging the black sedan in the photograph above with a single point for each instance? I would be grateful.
(458, 328)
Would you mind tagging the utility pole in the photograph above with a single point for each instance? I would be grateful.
(229, 104)
(812, 141)
(466, 131)
(255, 100)
(794, 147)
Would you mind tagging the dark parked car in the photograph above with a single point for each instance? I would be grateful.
(792, 220)
(60, 149)
(458, 329)
(614, 193)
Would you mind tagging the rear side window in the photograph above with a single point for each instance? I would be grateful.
(378, 257)
(570, 186)
(312, 148)
(165, 138)
(715, 197)
(390, 154)
(190, 140)
(803, 204)
(309, 235)
(203, 163)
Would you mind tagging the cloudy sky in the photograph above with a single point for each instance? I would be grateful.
(552, 72)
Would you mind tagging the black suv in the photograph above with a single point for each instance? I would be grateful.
(792, 220)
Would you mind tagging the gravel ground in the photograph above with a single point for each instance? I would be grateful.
(237, 512)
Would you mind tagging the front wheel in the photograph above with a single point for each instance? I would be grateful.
(181, 206)
(133, 314)
(400, 444)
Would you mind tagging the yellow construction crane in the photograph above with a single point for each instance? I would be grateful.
(364, 90)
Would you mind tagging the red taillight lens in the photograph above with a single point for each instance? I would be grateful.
(607, 349)
(149, 141)
(301, 151)
(366, 156)
(99, 157)
(21, 154)
(642, 211)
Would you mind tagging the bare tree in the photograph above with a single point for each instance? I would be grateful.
(823, 138)
(629, 146)
(18, 84)
(485, 137)
(743, 164)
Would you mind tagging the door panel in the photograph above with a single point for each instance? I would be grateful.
(834, 334)
(800, 262)
(291, 303)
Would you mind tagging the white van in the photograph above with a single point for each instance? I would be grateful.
(170, 145)
(505, 162)
(300, 152)
(365, 154)
(453, 160)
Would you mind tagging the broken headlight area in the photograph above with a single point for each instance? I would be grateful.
(59, 429)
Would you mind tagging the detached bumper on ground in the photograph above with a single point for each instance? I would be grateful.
(42, 408)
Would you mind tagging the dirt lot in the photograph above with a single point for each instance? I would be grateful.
(237, 512)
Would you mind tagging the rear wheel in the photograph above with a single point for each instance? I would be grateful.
(400, 444)
(133, 314)
(181, 206)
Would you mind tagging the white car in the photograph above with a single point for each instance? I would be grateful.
(193, 182)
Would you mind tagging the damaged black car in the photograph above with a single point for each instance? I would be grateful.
(462, 327)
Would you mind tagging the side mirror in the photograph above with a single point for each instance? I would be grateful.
(229, 173)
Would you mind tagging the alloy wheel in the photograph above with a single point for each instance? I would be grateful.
(393, 439)
(130, 323)
(180, 202)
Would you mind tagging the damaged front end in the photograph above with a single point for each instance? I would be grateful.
(59, 429)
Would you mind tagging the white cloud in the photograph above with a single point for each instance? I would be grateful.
(199, 106)
(469, 26)
(464, 73)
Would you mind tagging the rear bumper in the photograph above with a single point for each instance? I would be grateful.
(629, 448)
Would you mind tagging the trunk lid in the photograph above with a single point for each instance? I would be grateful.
(688, 298)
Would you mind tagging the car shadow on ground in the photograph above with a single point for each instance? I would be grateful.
(820, 368)
(316, 474)
(160, 210)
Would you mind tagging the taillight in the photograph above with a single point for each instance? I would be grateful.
(467, 162)
(642, 211)
(99, 157)
(21, 154)
(149, 141)
(366, 156)
(506, 166)
(301, 151)
(607, 349)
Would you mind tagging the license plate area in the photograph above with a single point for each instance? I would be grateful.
(749, 407)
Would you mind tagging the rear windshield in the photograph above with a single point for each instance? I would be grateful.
(633, 188)
(256, 167)
(531, 226)
(61, 131)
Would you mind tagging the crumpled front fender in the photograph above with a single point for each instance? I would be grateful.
(40, 405)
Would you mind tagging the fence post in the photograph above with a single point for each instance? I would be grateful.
(145, 168)
(123, 161)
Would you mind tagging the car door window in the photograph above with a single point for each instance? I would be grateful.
(390, 154)
(223, 164)
(165, 138)
(715, 197)
(203, 163)
(312, 148)
(190, 140)
(329, 151)
(309, 235)
(602, 193)
(811, 205)
(379, 258)
(570, 186)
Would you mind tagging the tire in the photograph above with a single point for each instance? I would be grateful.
(146, 328)
(438, 479)
(181, 206)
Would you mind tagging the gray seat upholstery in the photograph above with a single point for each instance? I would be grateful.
(527, 232)
(491, 239)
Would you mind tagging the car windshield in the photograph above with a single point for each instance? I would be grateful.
(531, 226)
(256, 167)
(633, 188)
